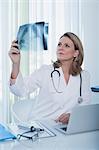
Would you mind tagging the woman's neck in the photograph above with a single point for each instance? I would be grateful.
(66, 69)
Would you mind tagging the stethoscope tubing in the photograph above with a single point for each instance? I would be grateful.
(59, 78)
(80, 85)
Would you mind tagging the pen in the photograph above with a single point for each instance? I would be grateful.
(23, 127)
(32, 128)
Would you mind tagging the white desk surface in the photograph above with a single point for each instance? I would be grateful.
(82, 141)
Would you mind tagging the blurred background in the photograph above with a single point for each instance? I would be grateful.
(78, 16)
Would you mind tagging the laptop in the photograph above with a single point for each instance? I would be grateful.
(82, 119)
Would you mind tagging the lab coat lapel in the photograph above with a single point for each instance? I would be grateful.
(68, 90)
(71, 89)
(73, 86)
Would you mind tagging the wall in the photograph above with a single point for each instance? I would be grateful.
(90, 26)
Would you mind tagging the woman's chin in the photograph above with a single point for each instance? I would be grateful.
(61, 58)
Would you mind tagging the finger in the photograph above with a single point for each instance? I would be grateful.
(60, 117)
(14, 41)
(64, 121)
(15, 45)
(65, 118)
(64, 115)
(14, 51)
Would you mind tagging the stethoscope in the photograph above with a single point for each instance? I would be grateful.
(57, 71)
(34, 137)
(80, 99)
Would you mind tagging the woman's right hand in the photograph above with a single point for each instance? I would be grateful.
(14, 53)
(15, 56)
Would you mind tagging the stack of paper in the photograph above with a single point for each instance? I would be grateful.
(5, 134)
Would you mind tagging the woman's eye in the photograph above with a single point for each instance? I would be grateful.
(66, 45)
(59, 44)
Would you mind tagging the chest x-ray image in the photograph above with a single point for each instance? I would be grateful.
(33, 36)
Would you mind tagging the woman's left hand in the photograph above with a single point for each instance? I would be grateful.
(63, 118)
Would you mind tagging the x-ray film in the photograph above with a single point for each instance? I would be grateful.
(33, 36)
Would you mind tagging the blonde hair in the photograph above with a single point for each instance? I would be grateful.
(75, 68)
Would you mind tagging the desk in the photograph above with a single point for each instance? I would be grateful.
(83, 141)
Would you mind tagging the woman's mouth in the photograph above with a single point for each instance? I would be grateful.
(60, 53)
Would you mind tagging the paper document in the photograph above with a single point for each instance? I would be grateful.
(20, 129)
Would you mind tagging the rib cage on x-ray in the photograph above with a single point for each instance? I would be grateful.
(33, 36)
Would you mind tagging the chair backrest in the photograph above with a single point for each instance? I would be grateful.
(95, 89)
(21, 110)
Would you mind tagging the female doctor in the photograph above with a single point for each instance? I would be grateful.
(62, 85)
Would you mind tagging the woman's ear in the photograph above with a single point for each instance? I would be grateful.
(76, 53)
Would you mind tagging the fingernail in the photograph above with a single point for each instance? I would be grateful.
(16, 41)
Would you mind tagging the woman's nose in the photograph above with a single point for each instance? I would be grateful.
(61, 46)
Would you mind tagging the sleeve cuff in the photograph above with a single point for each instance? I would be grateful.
(14, 81)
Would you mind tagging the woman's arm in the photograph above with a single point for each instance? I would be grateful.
(24, 86)
(15, 56)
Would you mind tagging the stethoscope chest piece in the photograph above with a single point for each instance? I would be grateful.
(80, 100)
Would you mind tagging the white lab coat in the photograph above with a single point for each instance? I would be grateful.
(49, 104)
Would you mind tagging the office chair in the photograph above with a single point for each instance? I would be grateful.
(21, 110)
(95, 89)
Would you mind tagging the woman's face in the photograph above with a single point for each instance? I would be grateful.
(66, 50)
